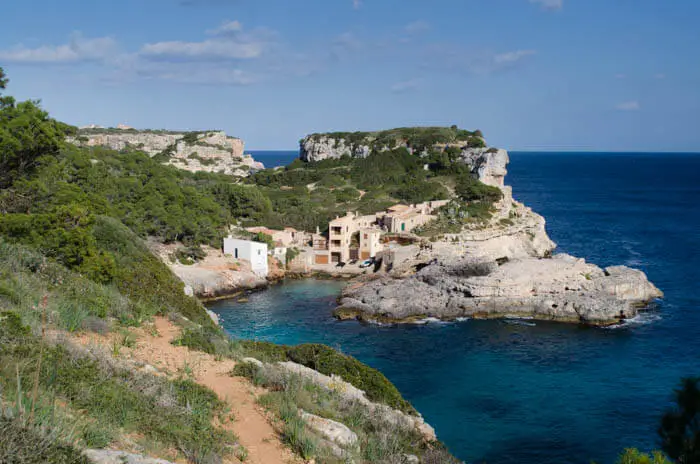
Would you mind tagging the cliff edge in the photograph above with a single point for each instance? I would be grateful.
(208, 151)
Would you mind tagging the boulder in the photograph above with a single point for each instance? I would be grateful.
(332, 430)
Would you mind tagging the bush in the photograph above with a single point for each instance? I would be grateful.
(680, 426)
(634, 456)
(190, 255)
(471, 189)
(210, 340)
(24, 444)
(328, 361)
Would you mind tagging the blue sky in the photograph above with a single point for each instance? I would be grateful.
(532, 74)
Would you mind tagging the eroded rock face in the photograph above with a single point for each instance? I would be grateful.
(562, 289)
(488, 164)
(212, 151)
(324, 147)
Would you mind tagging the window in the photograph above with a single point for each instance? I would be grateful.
(236, 253)
(258, 252)
(365, 236)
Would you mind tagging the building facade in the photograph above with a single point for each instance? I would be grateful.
(253, 252)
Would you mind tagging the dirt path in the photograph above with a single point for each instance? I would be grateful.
(251, 425)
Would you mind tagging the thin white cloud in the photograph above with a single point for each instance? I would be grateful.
(227, 27)
(620, 76)
(660, 76)
(549, 4)
(417, 27)
(357, 4)
(632, 105)
(229, 43)
(510, 58)
(405, 86)
(79, 49)
(205, 50)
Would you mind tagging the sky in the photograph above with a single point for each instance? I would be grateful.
(569, 75)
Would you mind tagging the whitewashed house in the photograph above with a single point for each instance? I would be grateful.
(253, 252)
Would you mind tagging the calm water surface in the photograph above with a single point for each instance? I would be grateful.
(547, 393)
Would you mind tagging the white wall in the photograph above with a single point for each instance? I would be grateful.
(253, 252)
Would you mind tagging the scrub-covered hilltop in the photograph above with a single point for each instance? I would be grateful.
(208, 151)
(485, 254)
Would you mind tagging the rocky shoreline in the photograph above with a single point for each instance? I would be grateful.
(501, 269)
(562, 288)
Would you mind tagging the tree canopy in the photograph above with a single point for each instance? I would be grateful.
(26, 133)
(680, 426)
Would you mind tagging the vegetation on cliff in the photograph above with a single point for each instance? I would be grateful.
(307, 195)
(415, 138)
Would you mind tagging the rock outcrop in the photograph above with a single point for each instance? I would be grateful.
(349, 392)
(334, 431)
(215, 276)
(120, 457)
(211, 151)
(562, 288)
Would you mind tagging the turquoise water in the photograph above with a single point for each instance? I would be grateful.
(543, 393)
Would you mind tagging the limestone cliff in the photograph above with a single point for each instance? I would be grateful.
(418, 140)
(210, 151)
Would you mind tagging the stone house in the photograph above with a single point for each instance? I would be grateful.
(404, 218)
(288, 237)
(370, 242)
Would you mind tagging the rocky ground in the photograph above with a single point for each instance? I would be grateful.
(216, 276)
(562, 288)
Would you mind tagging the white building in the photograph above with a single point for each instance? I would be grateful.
(253, 252)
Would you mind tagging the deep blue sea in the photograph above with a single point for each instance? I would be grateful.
(272, 159)
(503, 393)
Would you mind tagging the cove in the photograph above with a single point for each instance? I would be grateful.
(522, 392)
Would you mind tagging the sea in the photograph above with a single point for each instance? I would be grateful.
(530, 392)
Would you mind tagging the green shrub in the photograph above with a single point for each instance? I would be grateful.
(24, 444)
(263, 351)
(470, 189)
(208, 339)
(245, 369)
(190, 254)
(634, 456)
(328, 361)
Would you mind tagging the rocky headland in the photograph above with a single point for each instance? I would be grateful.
(562, 288)
(208, 151)
(504, 268)
(318, 147)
